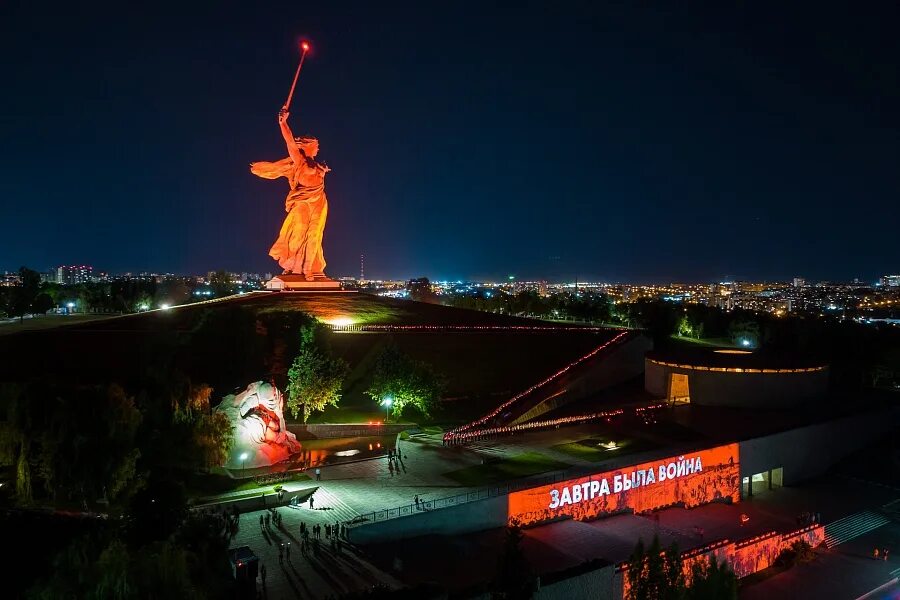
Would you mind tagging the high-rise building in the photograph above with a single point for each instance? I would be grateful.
(890, 281)
(799, 282)
(74, 274)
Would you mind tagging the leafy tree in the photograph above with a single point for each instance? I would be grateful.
(315, 378)
(221, 284)
(25, 293)
(712, 581)
(42, 303)
(744, 330)
(654, 574)
(420, 290)
(213, 439)
(514, 580)
(405, 381)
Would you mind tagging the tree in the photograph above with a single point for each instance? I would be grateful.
(712, 581)
(26, 292)
(213, 439)
(221, 284)
(514, 579)
(420, 290)
(405, 382)
(744, 332)
(654, 574)
(315, 378)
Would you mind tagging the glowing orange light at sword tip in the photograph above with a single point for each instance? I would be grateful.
(304, 45)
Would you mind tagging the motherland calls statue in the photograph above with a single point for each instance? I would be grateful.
(261, 438)
(298, 248)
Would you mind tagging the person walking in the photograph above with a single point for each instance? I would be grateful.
(281, 552)
(311, 501)
(287, 551)
(262, 571)
(399, 456)
(318, 474)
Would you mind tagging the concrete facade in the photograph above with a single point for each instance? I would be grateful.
(807, 452)
(465, 518)
(738, 389)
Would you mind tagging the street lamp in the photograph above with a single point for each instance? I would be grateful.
(243, 460)
(70, 306)
(387, 406)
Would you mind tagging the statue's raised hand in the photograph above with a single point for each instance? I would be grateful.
(283, 115)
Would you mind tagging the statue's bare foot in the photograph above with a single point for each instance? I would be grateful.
(310, 277)
(286, 272)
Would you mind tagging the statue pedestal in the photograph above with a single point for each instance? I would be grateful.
(293, 282)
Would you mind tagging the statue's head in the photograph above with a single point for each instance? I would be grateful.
(308, 145)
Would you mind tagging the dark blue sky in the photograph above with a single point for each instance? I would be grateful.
(623, 141)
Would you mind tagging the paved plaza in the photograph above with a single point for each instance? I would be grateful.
(354, 490)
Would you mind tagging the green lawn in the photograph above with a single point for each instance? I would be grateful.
(591, 449)
(713, 342)
(523, 465)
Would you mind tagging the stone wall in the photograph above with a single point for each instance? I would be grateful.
(316, 431)
(465, 518)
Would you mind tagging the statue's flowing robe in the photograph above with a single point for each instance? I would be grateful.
(298, 248)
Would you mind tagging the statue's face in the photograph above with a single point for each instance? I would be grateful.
(310, 149)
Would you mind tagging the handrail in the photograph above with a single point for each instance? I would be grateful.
(406, 510)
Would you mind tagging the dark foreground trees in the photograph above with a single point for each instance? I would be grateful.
(657, 574)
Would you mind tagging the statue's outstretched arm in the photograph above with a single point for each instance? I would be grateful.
(288, 136)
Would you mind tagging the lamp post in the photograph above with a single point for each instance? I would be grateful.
(387, 406)
(243, 461)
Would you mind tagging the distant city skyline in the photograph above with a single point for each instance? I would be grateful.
(615, 142)
(878, 279)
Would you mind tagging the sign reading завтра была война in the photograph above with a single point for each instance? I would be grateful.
(691, 479)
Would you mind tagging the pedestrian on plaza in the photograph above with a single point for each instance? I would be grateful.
(391, 468)
(287, 551)
(875, 553)
(884, 553)
(318, 474)
(262, 571)
(399, 456)
(261, 521)
(268, 517)
(281, 552)
(311, 502)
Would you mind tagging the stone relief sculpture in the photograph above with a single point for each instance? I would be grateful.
(260, 433)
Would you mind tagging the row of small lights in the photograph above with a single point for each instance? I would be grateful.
(536, 386)
(456, 436)
(339, 324)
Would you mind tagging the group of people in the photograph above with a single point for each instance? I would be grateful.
(395, 461)
(809, 518)
(880, 553)
(272, 516)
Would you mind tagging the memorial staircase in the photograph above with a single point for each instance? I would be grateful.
(853, 526)
(336, 509)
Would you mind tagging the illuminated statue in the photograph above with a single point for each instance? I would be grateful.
(260, 434)
(298, 248)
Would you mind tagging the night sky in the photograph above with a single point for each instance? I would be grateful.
(629, 141)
